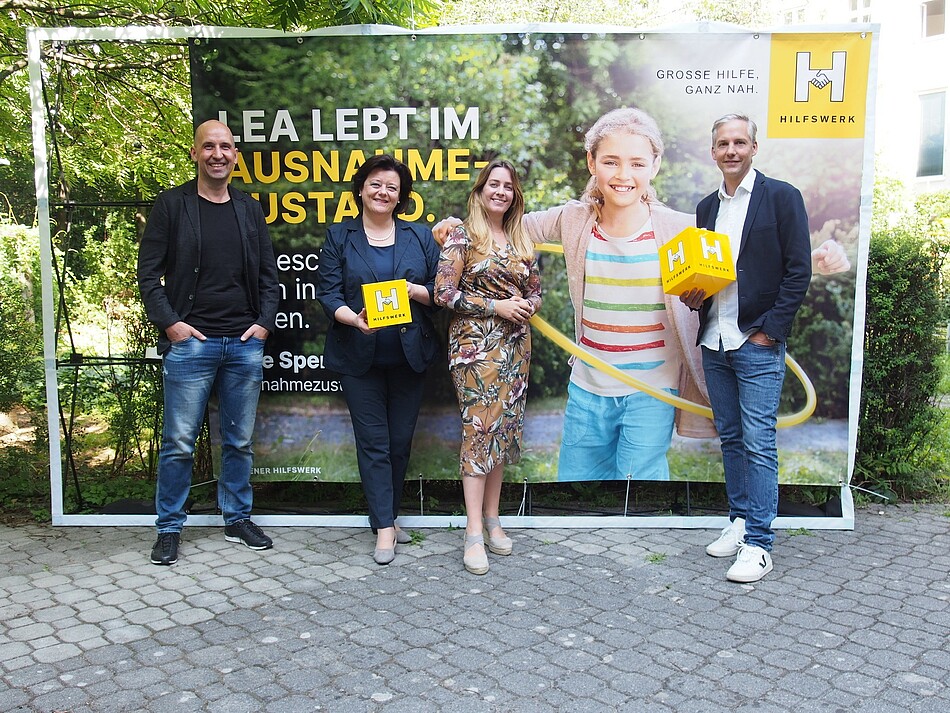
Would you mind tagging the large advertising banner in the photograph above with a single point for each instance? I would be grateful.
(307, 111)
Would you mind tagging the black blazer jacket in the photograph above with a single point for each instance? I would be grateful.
(171, 249)
(773, 268)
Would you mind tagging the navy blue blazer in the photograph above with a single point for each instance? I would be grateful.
(170, 257)
(773, 268)
(345, 266)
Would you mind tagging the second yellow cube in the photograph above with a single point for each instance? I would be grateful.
(696, 258)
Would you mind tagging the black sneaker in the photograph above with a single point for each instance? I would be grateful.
(250, 534)
(165, 551)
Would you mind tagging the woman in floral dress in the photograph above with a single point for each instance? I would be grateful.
(489, 277)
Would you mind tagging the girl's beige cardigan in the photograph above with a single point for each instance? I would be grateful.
(571, 225)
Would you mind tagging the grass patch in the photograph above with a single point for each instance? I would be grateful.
(800, 532)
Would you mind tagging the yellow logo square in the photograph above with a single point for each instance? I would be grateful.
(818, 85)
(386, 303)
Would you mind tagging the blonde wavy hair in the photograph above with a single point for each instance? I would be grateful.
(477, 225)
(632, 122)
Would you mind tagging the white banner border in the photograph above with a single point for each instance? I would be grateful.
(36, 35)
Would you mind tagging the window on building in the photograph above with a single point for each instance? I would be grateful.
(793, 14)
(934, 17)
(860, 10)
(932, 134)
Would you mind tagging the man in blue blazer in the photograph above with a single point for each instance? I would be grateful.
(208, 278)
(742, 331)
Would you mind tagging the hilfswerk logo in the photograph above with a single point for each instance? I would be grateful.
(392, 300)
(807, 76)
(818, 85)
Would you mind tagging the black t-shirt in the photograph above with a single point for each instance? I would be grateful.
(222, 306)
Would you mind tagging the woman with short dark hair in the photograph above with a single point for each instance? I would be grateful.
(382, 370)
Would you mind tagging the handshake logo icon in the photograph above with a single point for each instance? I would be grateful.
(382, 300)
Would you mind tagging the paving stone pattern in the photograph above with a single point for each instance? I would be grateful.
(602, 620)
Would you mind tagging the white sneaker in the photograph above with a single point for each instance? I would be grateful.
(729, 540)
(751, 565)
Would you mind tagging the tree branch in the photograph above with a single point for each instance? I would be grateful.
(13, 69)
(41, 9)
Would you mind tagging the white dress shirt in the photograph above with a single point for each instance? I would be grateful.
(722, 322)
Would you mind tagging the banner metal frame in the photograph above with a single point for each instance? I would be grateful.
(35, 36)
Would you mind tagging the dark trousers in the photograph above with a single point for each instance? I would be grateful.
(384, 405)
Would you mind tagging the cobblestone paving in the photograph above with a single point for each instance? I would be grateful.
(603, 620)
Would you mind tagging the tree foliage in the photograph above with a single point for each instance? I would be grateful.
(751, 13)
(632, 13)
(20, 310)
(904, 314)
(121, 110)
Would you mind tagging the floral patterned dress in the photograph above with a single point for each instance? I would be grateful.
(488, 355)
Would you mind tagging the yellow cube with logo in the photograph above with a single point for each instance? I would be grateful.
(696, 258)
(386, 303)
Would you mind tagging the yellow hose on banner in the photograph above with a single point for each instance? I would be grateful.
(811, 400)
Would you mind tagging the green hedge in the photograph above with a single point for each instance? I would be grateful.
(906, 318)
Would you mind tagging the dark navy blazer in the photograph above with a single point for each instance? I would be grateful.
(774, 264)
(345, 266)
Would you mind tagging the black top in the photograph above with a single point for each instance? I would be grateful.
(346, 265)
(222, 306)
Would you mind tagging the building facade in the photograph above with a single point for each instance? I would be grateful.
(911, 119)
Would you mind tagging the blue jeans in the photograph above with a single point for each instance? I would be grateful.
(612, 437)
(191, 371)
(744, 389)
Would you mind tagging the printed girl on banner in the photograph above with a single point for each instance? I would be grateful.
(611, 240)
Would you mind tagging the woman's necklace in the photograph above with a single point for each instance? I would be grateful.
(384, 239)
